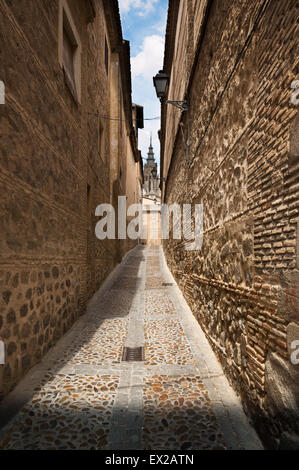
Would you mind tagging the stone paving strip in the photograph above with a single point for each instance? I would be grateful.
(155, 283)
(83, 396)
(127, 283)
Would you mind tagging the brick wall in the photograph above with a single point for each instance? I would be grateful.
(53, 174)
(242, 286)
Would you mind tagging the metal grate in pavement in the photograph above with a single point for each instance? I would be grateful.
(133, 354)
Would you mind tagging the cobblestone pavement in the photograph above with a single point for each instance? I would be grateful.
(83, 396)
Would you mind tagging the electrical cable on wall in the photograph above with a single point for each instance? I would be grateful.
(118, 119)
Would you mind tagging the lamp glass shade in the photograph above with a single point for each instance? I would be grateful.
(160, 83)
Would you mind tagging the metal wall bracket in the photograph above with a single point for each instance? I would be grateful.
(182, 105)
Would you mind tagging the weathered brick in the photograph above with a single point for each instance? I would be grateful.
(258, 123)
(56, 168)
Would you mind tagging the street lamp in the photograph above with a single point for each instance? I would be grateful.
(161, 81)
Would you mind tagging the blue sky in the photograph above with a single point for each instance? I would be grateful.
(143, 24)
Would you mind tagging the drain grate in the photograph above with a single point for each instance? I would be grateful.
(133, 354)
(167, 284)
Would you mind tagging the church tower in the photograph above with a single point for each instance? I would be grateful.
(151, 188)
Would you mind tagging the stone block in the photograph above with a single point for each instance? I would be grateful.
(282, 389)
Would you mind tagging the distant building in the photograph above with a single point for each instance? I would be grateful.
(151, 187)
(151, 200)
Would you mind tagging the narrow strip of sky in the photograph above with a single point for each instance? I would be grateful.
(143, 24)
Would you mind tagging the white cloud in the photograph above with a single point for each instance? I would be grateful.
(161, 26)
(144, 66)
(143, 7)
(150, 60)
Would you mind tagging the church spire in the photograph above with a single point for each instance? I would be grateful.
(151, 179)
(151, 155)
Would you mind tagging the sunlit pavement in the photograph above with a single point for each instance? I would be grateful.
(84, 396)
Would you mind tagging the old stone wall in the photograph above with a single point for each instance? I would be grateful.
(54, 171)
(242, 285)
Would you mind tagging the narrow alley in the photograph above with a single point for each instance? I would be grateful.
(149, 226)
(83, 395)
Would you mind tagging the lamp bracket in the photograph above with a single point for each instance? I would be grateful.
(182, 105)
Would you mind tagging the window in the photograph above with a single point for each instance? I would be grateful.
(69, 51)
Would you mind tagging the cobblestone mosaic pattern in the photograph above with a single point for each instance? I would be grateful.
(165, 343)
(69, 412)
(128, 407)
(155, 283)
(134, 260)
(101, 346)
(153, 273)
(178, 415)
(130, 270)
(117, 305)
(153, 262)
(153, 265)
(126, 283)
(158, 303)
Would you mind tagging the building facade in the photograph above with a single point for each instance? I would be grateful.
(67, 144)
(151, 188)
(235, 63)
(151, 201)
